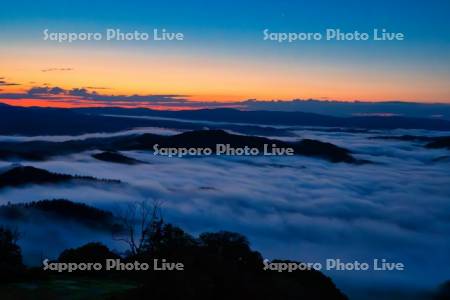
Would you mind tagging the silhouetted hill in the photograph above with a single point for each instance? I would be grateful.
(352, 108)
(433, 141)
(441, 142)
(406, 138)
(210, 138)
(116, 157)
(222, 265)
(197, 139)
(24, 175)
(216, 265)
(445, 158)
(40, 150)
(296, 118)
(91, 252)
(59, 209)
(11, 265)
(443, 292)
(57, 121)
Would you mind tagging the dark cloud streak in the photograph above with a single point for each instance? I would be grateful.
(87, 96)
(5, 83)
(57, 69)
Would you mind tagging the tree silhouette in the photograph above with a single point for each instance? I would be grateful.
(141, 224)
(91, 252)
(11, 265)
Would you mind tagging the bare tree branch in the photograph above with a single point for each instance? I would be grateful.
(138, 220)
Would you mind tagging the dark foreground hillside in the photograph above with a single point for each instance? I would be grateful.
(217, 265)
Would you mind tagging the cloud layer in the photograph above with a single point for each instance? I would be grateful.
(89, 96)
(296, 207)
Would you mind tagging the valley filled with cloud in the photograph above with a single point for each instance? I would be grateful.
(395, 206)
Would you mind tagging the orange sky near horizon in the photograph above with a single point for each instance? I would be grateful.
(219, 78)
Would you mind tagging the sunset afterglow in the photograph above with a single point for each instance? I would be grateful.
(217, 62)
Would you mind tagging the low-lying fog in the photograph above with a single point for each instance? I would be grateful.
(397, 208)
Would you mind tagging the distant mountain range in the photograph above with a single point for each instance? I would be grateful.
(55, 121)
(431, 142)
(281, 118)
(354, 108)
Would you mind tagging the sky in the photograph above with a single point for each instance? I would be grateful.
(223, 56)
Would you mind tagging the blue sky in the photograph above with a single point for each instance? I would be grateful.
(223, 31)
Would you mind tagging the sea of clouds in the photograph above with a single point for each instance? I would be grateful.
(397, 207)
